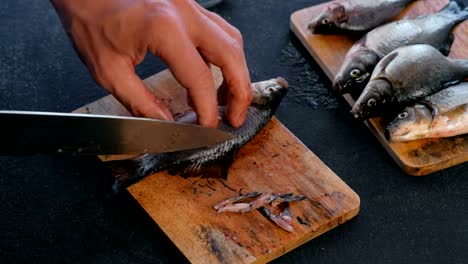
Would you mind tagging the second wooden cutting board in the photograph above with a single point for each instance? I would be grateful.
(419, 157)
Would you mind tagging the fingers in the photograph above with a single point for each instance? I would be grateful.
(191, 71)
(226, 52)
(120, 79)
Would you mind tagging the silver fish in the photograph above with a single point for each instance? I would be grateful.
(407, 75)
(212, 162)
(433, 29)
(443, 114)
(356, 15)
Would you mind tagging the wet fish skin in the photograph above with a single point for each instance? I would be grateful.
(443, 114)
(355, 15)
(432, 29)
(212, 162)
(406, 75)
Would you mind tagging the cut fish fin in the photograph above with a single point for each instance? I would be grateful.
(276, 219)
(446, 46)
(217, 168)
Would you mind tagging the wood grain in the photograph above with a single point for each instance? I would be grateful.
(274, 161)
(417, 157)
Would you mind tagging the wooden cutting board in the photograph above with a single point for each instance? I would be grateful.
(274, 161)
(417, 157)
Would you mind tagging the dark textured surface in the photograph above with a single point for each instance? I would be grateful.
(55, 209)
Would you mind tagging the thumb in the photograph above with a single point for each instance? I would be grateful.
(127, 87)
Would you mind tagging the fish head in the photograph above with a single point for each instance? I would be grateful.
(410, 124)
(268, 94)
(374, 98)
(355, 72)
(330, 20)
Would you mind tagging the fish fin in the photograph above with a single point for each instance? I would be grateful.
(458, 8)
(460, 109)
(456, 109)
(339, 11)
(128, 172)
(453, 7)
(445, 47)
(217, 168)
(387, 60)
(451, 83)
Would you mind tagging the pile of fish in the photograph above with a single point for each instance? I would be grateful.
(273, 206)
(401, 67)
(213, 162)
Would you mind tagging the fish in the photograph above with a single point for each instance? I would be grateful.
(432, 29)
(443, 114)
(355, 15)
(406, 75)
(210, 162)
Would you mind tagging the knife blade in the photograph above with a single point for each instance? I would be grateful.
(25, 132)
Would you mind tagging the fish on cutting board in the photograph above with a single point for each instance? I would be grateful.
(356, 15)
(432, 29)
(214, 161)
(406, 75)
(443, 114)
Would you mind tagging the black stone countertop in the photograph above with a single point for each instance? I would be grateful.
(53, 208)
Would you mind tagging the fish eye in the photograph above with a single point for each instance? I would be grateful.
(325, 21)
(403, 115)
(355, 73)
(371, 102)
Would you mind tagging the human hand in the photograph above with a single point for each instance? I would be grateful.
(113, 36)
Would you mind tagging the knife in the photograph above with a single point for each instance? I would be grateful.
(25, 133)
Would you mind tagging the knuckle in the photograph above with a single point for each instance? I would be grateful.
(141, 110)
(243, 95)
(209, 119)
(235, 45)
(162, 16)
(102, 76)
(237, 36)
(203, 78)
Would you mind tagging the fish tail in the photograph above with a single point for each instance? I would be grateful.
(457, 8)
(128, 172)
